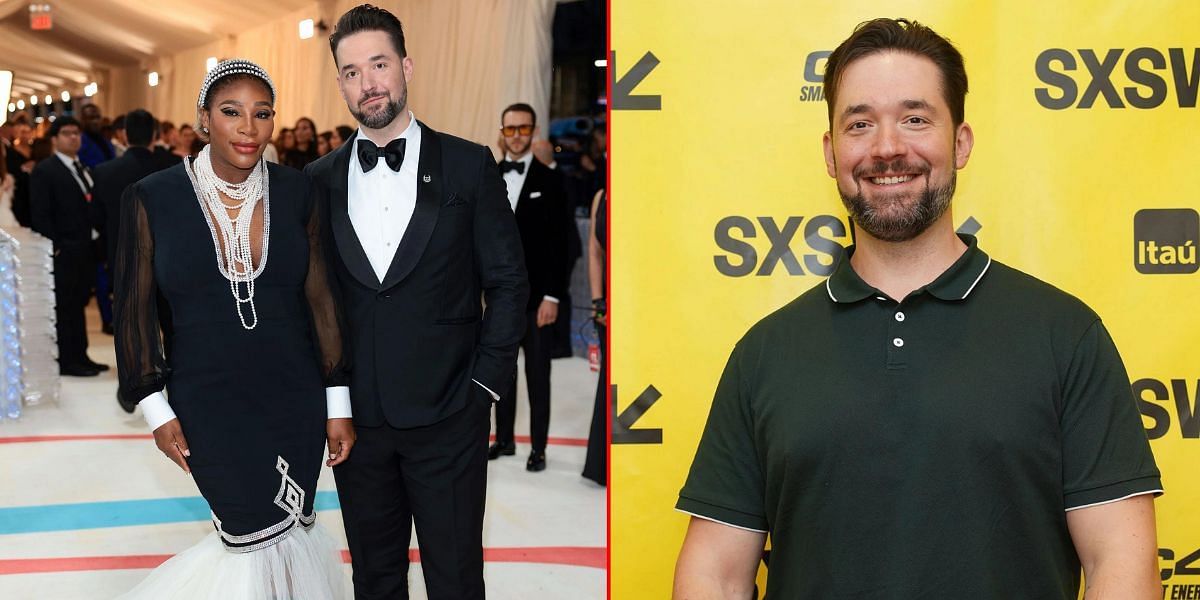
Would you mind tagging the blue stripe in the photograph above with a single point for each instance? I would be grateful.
(121, 513)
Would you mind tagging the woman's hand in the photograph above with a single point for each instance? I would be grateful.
(341, 439)
(169, 439)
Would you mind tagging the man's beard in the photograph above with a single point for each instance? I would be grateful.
(886, 218)
(383, 116)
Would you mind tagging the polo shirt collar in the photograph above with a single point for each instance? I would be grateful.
(955, 283)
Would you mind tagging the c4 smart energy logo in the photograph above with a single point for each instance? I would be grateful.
(814, 76)
(1165, 240)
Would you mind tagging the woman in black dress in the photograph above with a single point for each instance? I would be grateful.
(252, 365)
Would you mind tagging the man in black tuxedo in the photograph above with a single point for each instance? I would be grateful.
(60, 205)
(539, 200)
(114, 176)
(422, 230)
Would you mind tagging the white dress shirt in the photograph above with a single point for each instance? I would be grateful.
(515, 181)
(381, 201)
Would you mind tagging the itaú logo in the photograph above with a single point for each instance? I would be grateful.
(1165, 240)
(1151, 74)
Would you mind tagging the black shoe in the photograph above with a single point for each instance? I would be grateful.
(95, 365)
(107, 328)
(495, 450)
(126, 405)
(77, 370)
(536, 462)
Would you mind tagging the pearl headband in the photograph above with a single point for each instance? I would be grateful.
(234, 66)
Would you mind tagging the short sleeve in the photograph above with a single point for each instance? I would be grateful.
(1106, 455)
(725, 483)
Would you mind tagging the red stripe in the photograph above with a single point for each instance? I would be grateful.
(579, 556)
(524, 439)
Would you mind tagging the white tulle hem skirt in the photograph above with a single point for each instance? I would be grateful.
(304, 565)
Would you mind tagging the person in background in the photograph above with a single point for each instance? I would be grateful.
(20, 164)
(286, 141)
(341, 133)
(119, 140)
(7, 183)
(95, 147)
(184, 140)
(166, 135)
(323, 145)
(60, 194)
(114, 176)
(595, 464)
(305, 150)
(538, 199)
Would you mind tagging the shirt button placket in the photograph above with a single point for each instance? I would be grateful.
(895, 354)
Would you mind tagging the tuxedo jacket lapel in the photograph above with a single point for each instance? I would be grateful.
(425, 214)
(348, 244)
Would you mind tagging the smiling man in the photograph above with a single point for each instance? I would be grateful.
(423, 230)
(928, 422)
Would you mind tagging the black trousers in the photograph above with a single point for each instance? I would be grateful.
(73, 274)
(434, 477)
(537, 344)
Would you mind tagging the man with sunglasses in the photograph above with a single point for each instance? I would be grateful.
(538, 199)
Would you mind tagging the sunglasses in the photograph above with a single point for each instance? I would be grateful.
(511, 130)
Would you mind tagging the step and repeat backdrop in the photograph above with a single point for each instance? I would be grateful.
(1083, 174)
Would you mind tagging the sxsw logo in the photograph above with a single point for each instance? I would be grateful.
(814, 76)
(1165, 240)
(1151, 72)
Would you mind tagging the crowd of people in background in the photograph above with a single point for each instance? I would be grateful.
(57, 164)
(75, 171)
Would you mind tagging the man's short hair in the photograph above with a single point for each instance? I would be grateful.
(140, 127)
(900, 35)
(366, 17)
(519, 107)
(64, 121)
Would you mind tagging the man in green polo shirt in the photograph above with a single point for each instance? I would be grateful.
(926, 423)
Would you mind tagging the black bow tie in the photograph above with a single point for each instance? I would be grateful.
(369, 153)
(512, 165)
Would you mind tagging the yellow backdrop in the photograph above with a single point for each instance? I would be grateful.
(1087, 146)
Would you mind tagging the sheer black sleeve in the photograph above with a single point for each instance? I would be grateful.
(324, 299)
(141, 367)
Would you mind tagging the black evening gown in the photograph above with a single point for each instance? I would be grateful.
(251, 403)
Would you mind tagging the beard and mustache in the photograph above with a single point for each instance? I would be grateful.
(384, 115)
(893, 217)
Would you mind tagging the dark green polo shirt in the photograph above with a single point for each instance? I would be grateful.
(923, 449)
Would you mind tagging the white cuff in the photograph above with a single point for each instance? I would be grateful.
(553, 164)
(495, 396)
(156, 410)
(337, 402)
(550, 298)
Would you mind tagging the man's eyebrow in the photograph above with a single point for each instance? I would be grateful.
(372, 59)
(917, 105)
(856, 109)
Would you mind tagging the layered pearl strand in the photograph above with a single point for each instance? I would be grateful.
(236, 263)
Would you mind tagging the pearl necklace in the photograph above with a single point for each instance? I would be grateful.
(236, 263)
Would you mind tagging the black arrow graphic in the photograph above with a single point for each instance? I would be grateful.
(622, 88)
(622, 425)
